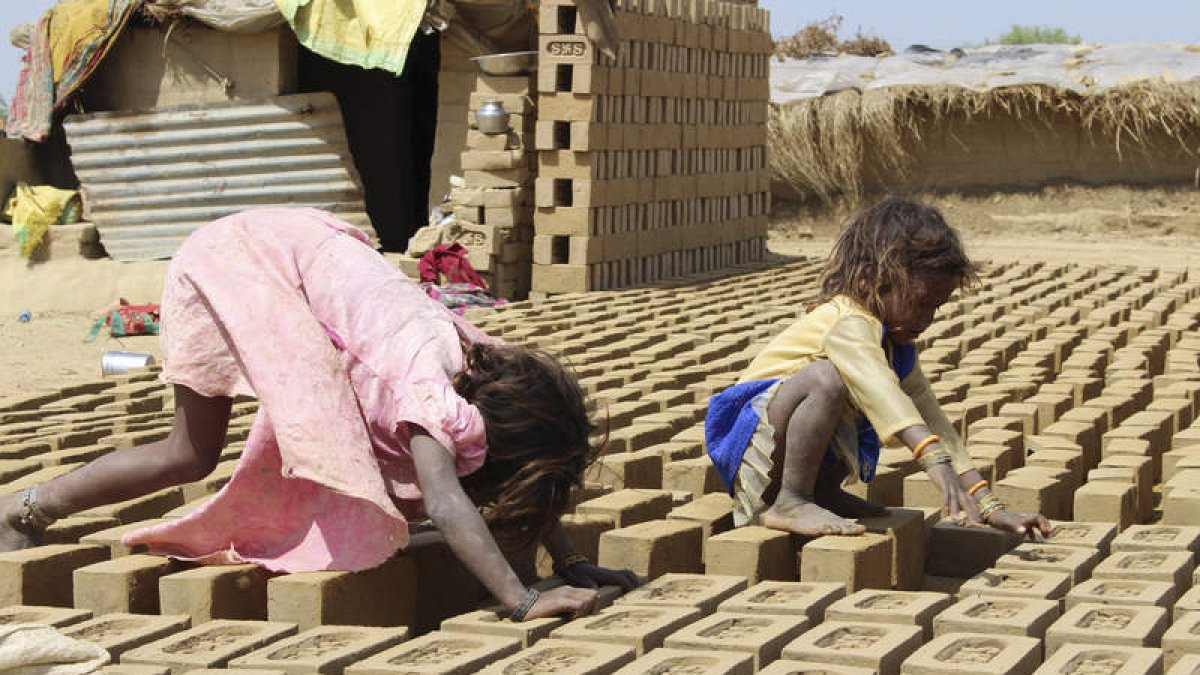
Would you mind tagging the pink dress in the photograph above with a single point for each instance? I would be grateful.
(343, 352)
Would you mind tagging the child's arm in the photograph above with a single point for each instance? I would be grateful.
(578, 570)
(467, 535)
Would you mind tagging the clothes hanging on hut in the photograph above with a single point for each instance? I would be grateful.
(356, 32)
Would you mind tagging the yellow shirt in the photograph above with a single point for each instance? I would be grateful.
(842, 332)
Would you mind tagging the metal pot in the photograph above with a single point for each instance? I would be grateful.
(492, 118)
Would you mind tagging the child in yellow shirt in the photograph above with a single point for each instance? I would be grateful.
(813, 407)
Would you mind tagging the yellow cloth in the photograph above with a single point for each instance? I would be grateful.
(364, 33)
(34, 208)
(849, 337)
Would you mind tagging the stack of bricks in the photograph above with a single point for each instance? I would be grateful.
(652, 165)
(492, 211)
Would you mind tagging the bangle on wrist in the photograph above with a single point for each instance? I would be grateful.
(976, 488)
(928, 441)
(988, 506)
(930, 460)
(561, 566)
(531, 597)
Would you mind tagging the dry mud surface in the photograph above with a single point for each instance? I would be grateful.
(1075, 383)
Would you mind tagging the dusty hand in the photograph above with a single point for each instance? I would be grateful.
(587, 575)
(564, 600)
(1020, 523)
(958, 505)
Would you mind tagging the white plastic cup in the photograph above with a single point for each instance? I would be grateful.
(116, 363)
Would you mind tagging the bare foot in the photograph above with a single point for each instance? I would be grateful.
(806, 518)
(12, 539)
(849, 506)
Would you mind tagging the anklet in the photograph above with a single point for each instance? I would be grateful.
(32, 518)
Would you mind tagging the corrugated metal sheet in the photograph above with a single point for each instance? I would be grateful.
(149, 178)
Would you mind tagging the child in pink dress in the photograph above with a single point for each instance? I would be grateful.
(376, 405)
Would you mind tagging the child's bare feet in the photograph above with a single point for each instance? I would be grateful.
(800, 516)
(847, 505)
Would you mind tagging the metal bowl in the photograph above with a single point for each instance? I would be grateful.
(511, 63)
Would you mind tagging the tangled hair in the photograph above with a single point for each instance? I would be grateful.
(539, 436)
(888, 245)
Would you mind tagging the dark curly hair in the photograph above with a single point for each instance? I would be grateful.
(540, 438)
(886, 246)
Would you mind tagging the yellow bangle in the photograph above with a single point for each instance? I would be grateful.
(976, 488)
(929, 440)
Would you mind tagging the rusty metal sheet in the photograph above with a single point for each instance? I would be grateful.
(151, 177)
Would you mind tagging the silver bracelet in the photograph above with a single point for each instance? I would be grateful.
(531, 597)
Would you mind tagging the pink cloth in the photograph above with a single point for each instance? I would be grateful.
(343, 352)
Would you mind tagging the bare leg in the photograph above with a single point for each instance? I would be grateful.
(829, 493)
(189, 453)
(805, 413)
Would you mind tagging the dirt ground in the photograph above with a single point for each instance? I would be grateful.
(1113, 226)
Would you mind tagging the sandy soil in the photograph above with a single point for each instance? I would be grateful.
(1107, 227)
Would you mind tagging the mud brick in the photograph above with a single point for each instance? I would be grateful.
(1158, 538)
(1173, 567)
(209, 645)
(1002, 436)
(1038, 584)
(1086, 623)
(1030, 492)
(885, 489)
(638, 436)
(1176, 460)
(224, 592)
(1084, 434)
(698, 476)
(1182, 639)
(1188, 602)
(996, 422)
(973, 653)
(964, 551)
(993, 461)
(323, 649)
(628, 507)
(790, 598)
(700, 591)
(761, 636)
(438, 653)
(1028, 617)
(714, 512)
(1188, 665)
(71, 529)
(1077, 563)
(1142, 469)
(641, 628)
(118, 633)
(1078, 659)
(1181, 410)
(906, 529)
(1050, 407)
(111, 537)
(1133, 447)
(920, 491)
(1070, 461)
(792, 667)
(50, 616)
(1107, 501)
(642, 469)
(584, 532)
(43, 575)
(568, 656)
(1093, 535)
(1181, 506)
(1027, 413)
(653, 548)
(699, 662)
(125, 584)
(141, 508)
(859, 562)
(908, 608)
(1132, 592)
(878, 646)
(317, 598)
(495, 623)
(121, 669)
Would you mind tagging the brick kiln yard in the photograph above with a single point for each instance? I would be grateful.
(1075, 384)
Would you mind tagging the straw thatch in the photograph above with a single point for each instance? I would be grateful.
(842, 145)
